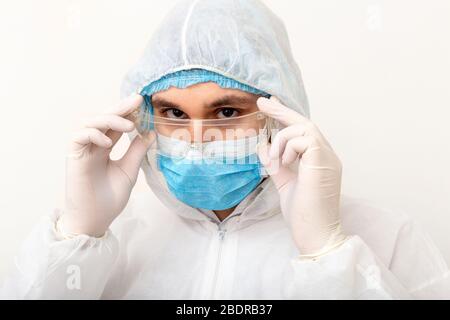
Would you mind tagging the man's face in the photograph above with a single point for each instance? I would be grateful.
(207, 101)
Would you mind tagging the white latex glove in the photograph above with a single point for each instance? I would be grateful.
(98, 188)
(309, 188)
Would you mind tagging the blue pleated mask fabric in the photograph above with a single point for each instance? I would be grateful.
(214, 183)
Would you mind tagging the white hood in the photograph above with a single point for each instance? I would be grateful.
(240, 39)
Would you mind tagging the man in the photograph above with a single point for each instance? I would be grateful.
(275, 228)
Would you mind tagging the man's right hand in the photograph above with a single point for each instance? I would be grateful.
(98, 188)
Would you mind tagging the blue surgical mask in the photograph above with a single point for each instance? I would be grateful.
(213, 175)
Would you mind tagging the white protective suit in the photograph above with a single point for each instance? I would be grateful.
(159, 248)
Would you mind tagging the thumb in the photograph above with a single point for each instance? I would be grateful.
(280, 174)
(132, 159)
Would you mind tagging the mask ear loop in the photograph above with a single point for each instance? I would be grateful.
(142, 118)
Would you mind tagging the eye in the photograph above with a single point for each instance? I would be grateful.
(227, 113)
(174, 113)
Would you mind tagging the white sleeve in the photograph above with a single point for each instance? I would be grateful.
(419, 265)
(50, 267)
(351, 271)
(416, 270)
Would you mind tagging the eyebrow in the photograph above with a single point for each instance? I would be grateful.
(222, 101)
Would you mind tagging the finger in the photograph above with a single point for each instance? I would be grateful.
(283, 136)
(279, 174)
(125, 109)
(112, 125)
(114, 136)
(128, 105)
(88, 136)
(109, 122)
(288, 117)
(295, 149)
(131, 161)
(275, 109)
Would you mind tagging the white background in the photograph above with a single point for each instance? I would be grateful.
(377, 74)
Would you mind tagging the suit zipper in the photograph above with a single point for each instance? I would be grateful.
(221, 235)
